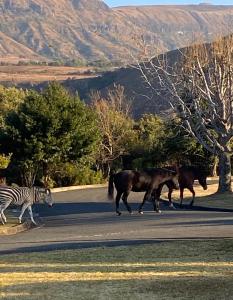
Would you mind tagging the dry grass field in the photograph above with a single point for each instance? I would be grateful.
(35, 74)
(169, 270)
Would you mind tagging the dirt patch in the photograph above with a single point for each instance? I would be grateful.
(35, 74)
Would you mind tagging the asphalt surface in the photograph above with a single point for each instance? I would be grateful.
(84, 218)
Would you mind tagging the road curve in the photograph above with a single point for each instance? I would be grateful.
(84, 218)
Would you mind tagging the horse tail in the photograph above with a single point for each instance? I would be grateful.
(111, 187)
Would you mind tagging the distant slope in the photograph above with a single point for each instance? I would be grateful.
(137, 91)
(140, 95)
(12, 50)
(89, 29)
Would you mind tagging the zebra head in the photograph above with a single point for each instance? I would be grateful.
(45, 195)
(48, 197)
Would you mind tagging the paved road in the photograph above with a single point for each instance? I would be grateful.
(85, 218)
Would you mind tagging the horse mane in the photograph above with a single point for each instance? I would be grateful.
(197, 170)
(162, 171)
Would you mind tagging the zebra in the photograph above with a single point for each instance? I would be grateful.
(23, 196)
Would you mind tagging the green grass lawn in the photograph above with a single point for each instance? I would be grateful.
(166, 270)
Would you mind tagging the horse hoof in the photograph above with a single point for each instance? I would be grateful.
(158, 211)
(140, 212)
(171, 206)
(118, 213)
(131, 213)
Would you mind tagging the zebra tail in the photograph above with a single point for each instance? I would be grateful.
(111, 187)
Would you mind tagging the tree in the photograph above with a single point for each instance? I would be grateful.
(148, 148)
(47, 129)
(199, 87)
(163, 142)
(181, 148)
(10, 98)
(115, 125)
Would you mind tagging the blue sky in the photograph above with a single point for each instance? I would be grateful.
(144, 2)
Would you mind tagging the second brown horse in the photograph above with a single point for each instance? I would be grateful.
(186, 178)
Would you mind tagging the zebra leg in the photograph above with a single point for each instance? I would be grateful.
(2, 208)
(31, 214)
(24, 207)
(2, 219)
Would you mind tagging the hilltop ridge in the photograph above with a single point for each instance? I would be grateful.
(90, 30)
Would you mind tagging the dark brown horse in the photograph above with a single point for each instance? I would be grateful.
(186, 177)
(144, 181)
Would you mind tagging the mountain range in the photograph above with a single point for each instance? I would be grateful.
(90, 30)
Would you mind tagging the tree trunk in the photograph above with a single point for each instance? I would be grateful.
(28, 175)
(214, 172)
(224, 173)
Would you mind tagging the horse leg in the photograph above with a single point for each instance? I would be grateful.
(124, 198)
(156, 204)
(141, 206)
(193, 192)
(170, 198)
(118, 198)
(146, 197)
(157, 192)
(181, 196)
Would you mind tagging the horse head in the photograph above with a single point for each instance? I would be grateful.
(173, 175)
(202, 181)
(175, 179)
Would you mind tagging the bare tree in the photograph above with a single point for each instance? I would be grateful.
(115, 124)
(199, 88)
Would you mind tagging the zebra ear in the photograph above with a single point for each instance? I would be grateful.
(48, 191)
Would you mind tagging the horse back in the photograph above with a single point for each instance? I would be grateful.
(130, 180)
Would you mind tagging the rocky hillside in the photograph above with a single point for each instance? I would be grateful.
(11, 50)
(89, 29)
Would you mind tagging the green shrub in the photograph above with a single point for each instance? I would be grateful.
(4, 161)
(72, 174)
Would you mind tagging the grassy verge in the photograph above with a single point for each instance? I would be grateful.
(207, 198)
(168, 270)
(11, 222)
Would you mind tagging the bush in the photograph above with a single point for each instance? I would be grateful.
(73, 174)
(4, 161)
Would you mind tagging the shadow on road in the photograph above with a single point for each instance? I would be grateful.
(102, 207)
(77, 244)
